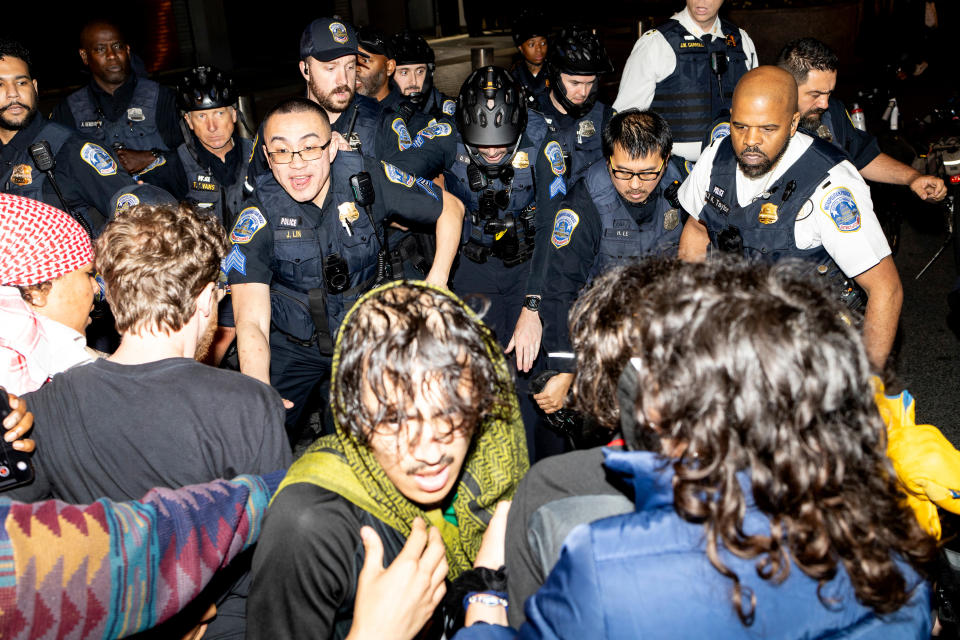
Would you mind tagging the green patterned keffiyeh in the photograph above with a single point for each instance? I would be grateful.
(493, 467)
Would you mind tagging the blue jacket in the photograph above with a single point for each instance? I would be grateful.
(646, 575)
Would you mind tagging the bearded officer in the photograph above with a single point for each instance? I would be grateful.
(87, 174)
(307, 248)
(420, 102)
(624, 208)
(769, 193)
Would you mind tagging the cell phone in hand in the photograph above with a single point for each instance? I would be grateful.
(16, 467)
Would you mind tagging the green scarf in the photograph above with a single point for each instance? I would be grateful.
(495, 463)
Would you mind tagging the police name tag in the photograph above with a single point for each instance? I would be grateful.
(91, 124)
(717, 202)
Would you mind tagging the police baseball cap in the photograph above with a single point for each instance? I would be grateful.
(134, 194)
(327, 39)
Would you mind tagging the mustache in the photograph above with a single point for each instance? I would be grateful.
(445, 461)
(14, 104)
(753, 150)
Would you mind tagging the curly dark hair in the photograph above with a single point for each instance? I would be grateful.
(603, 333)
(13, 49)
(758, 371)
(400, 341)
(801, 56)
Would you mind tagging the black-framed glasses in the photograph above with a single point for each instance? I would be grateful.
(306, 154)
(646, 176)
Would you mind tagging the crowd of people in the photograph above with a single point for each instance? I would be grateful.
(513, 362)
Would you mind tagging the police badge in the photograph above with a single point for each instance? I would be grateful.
(585, 129)
(22, 175)
(135, 114)
(671, 218)
(768, 213)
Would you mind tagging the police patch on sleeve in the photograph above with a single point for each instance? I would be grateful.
(842, 209)
(722, 130)
(429, 187)
(248, 223)
(563, 226)
(435, 130)
(397, 175)
(98, 158)
(235, 260)
(554, 154)
(403, 136)
(449, 107)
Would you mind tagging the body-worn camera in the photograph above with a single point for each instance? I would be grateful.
(730, 241)
(336, 273)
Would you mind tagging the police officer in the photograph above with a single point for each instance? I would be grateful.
(814, 66)
(413, 80)
(767, 192)
(502, 164)
(686, 70)
(375, 70)
(530, 38)
(308, 246)
(86, 173)
(577, 58)
(133, 115)
(624, 208)
(213, 161)
(328, 63)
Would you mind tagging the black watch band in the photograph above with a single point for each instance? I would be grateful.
(532, 303)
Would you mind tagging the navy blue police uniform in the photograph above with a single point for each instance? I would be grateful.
(217, 187)
(86, 172)
(594, 229)
(139, 115)
(535, 86)
(765, 229)
(580, 138)
(318, 260)
(690, 97)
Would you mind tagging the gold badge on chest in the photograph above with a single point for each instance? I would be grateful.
(768, 213)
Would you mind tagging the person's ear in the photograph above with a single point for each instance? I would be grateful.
(391, 66)
(83, 56)
(207, 300)
(304, 70)
(795, 123)
(332, 150)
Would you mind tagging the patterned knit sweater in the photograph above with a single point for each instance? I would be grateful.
(112, 569)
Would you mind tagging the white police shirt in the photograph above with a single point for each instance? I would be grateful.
(653, 59)
(854, 251)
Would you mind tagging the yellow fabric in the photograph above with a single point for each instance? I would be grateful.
(927, 465)
(494, 466)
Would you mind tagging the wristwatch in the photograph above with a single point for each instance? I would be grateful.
(532, 303)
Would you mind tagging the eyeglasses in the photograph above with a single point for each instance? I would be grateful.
(646, 176)
(306, 154)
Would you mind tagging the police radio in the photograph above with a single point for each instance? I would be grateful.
(43, 159)
(15, 466)
(353, 139)
(718, 65)
(365, 196)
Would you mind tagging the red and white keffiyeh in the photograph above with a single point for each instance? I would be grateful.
(38, 242)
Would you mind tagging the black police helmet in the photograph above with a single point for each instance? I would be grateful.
(410, 48)
(529, 25)
(578, 52)
(491, 111)
(374, 41)
(205, 88)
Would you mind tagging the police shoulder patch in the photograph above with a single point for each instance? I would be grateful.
(842, 209)
(403, 136)
(433, 130)
(449, 107)
(554, 154)
(248, 223)
(722, 130)
(397, 175)
(98, 158)
(563, 226)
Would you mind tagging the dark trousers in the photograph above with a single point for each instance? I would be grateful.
(295, 371)
(504, 288)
